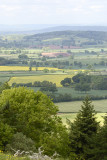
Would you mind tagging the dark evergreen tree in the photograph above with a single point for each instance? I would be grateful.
(99, 144)
(82, 130)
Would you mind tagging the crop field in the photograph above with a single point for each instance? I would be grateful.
(23, 68)
(72, 116)
(51, 78)
(99, 106)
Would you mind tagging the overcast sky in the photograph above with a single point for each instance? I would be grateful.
(73, 12)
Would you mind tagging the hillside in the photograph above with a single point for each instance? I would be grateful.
(68, 39)
(56, 40)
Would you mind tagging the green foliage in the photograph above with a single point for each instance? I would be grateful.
(35, 115)
(83, 87)
(45, 70)
(4, 86)
(20, 142)
(83, 129)
(6, 133)
(66, 82)
(81, 78)
(99, 144)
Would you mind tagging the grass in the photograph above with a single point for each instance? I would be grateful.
(99, 106)
(72, 117)
(74, 93)
(4, 156)
(4, 79)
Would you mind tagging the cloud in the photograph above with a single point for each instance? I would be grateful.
(52, 11)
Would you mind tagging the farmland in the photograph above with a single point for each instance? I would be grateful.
(24, 68)
(64, 107)
(52, 78)
(68, 110)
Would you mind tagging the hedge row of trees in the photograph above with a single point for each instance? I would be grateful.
(29, 120)
(45, 85)
(83, 82)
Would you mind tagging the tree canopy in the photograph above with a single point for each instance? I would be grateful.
(35, 115)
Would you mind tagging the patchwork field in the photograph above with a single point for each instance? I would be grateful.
(51, 78)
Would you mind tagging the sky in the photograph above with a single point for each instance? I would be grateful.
(60, 12)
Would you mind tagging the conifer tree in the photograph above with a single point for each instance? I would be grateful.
(82, 130)
(99, 143)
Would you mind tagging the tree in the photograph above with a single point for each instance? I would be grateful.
(66, 82)
(4, 86)
(35, 115)
(83, 87)
(83, 129)
(6, 133)
(99, 143)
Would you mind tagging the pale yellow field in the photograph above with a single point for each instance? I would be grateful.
(13, 68)
(51, 78)
(21, 68)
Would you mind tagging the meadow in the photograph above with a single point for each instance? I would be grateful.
(72, 107)
(68, 110)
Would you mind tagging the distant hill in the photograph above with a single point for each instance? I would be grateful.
(67, 39)
(42, 28)
(57, 40)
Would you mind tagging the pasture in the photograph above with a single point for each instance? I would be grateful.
(73, 107)
(99, 106)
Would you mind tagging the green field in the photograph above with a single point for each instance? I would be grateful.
(74, 93)
(74, 107)
(99, 106)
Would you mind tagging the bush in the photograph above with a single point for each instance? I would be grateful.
(20, 142)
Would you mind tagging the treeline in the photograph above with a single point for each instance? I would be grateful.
(44, 85)
(83, 82)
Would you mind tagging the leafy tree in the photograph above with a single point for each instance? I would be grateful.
(4, 86)
(81, 77)
(35, 115)
(6, 133)
(83, 129)
(49, 88)
(66, 82)
(83, 87)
